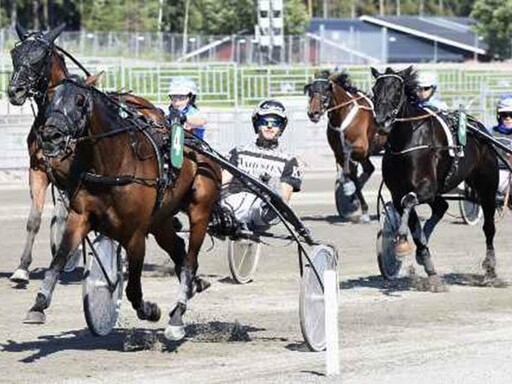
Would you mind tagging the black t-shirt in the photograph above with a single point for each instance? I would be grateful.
(271, 165)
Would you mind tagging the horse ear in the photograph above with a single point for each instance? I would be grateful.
(375, 73)
(22, 32)
(92, 80)
(306, 88)
(54, 33)
(407, 71)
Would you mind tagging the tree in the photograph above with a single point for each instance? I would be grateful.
(495, 25)
(296, 17)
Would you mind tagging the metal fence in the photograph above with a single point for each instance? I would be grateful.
(166, 47)
(232, 85)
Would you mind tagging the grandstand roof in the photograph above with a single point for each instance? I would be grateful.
(452, 31)
(409, 38)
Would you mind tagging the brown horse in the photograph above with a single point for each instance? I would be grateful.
(88, 144)
(351, 133)
(37, 66)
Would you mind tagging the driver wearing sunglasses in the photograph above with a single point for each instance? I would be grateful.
(264, 160)
(426, 91)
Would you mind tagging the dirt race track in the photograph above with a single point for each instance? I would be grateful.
(390, 332)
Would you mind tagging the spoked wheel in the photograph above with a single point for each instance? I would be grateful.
(389, 263)
(57, 227)
(101, 296)
(470, 211)
(243, 257)
(312, 303)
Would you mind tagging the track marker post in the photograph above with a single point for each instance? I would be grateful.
(332, 354)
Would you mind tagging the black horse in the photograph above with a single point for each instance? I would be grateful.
(419, 166)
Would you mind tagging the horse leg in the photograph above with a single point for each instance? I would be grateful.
(199, 215)
(423, 255)
(135, 252)
(439, 208)
(38, 183)
(489, 264)
(368, 169)
(403, 247)
(365, 217)
(170, 242)
(76, 229)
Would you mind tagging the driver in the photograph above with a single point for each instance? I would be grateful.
(504, 130)
(183, 94)
(426, 92)
(264, 160)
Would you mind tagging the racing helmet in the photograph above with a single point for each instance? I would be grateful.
(504, 104)
(269, 111)
(182, 86)
(427, 79)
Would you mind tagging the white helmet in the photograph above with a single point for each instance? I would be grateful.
(182, 86)
(504, 104)
(427, 79)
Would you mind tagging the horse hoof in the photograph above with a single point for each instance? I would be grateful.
(20, 276)
(365, 219)
(436, 285)
(403, 248)
(174, 332)
(149, 311)
(35, 317)
(202, 285)
(490, 279)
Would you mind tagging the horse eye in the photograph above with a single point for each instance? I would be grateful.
(80, 100)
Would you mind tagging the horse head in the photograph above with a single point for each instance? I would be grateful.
(319, 95)
(67, 116)
(30, 59)
(390, 94)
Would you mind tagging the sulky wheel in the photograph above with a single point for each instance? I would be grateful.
(389, 263)
(312, 303)
(243, 257)
(101, 298)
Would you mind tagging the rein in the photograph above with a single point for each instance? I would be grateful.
(352, 100)
(421, 117)
(87, 73)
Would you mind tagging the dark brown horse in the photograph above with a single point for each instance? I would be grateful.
(420, 164)
(351, 133)
(84, 135)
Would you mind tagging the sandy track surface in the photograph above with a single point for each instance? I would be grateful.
(390, 332)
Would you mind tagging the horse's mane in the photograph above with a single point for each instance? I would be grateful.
(410, 77)
(343, 80)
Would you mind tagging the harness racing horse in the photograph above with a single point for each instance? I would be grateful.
(420, 164)
(37, 66)
(109, 166)
(351, 134)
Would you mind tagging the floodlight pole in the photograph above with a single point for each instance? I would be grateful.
(185, 26)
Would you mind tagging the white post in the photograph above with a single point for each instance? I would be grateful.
(332, 354)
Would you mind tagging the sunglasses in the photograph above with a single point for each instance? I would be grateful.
(506, 115)
(425, 88)
(178, 97)
(270, 123)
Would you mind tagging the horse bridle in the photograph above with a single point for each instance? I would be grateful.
(396, 109)
(73, 138)
(34, 83)
(325, 99)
